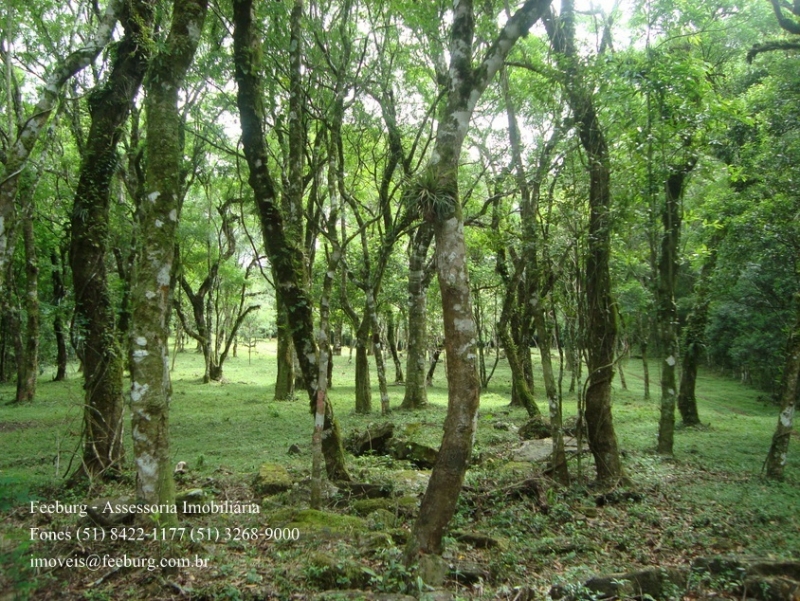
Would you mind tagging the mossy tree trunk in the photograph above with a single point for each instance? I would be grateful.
(59, 294)
(154, 278)
(363, 387)
(391, 339)
(694, 335)
(416, 395)
(667, 311)
(601, 327)
(285, 255)
(464, 88)
(334, 259)
(284, 380)
(645, 368)
(103, 359)
(28, 362)
(779, 449)
(380, 361)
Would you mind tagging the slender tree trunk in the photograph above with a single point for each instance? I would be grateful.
(559, 459)
(693, 342)
(28, 363)
(103, 360)
(380, 362)
(645, 369)
(668, 312)
(779, 449)
(416, 395)
(154, 272)
(601, 323)
(622, 352)
(437, 353)
(334, 258)
(284, 254)
(363, 388)
(59, 293)
(391, 338)
(465, 86)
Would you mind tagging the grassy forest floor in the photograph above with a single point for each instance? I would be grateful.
(709, 500)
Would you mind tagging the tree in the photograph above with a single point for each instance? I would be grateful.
(286, 258)
(154, 277)
(419, 277)
(95, 313)
(439, 184)
(17, 154)
(601, 318)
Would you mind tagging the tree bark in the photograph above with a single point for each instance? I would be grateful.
(693, 339)
(59, 293)
(154, 278)
(779, 449)
(380, 362)
(284, 380)
(103, 362)
(284, 254)
(416, 394)
(391, 339)
(28, 363)
(667, 311)
(601, 324)
(363, 387)
(464, 88)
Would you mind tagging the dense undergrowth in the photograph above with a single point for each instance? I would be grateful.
(709, 499)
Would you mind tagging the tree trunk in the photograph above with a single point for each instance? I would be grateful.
(363, 389)
(667, 311)
(416, 395)
(778, 450)
(95, 313)
(391, 338)
(464, 89)
(59, 293)
(437, 352)
(284, 254)
(284, 381)
(380, 363)
(518, 379)
(28, 363)
(559, 459)
(645, 370)
(601, 323)
(154, 277)
(693, 342)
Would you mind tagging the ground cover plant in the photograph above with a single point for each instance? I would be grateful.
(516, 534)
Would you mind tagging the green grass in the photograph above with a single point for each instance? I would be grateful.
(708, 499)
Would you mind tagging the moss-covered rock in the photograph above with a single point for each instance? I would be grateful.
(271, 479)
(536, 428)
(381, 519)
(323, 524)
